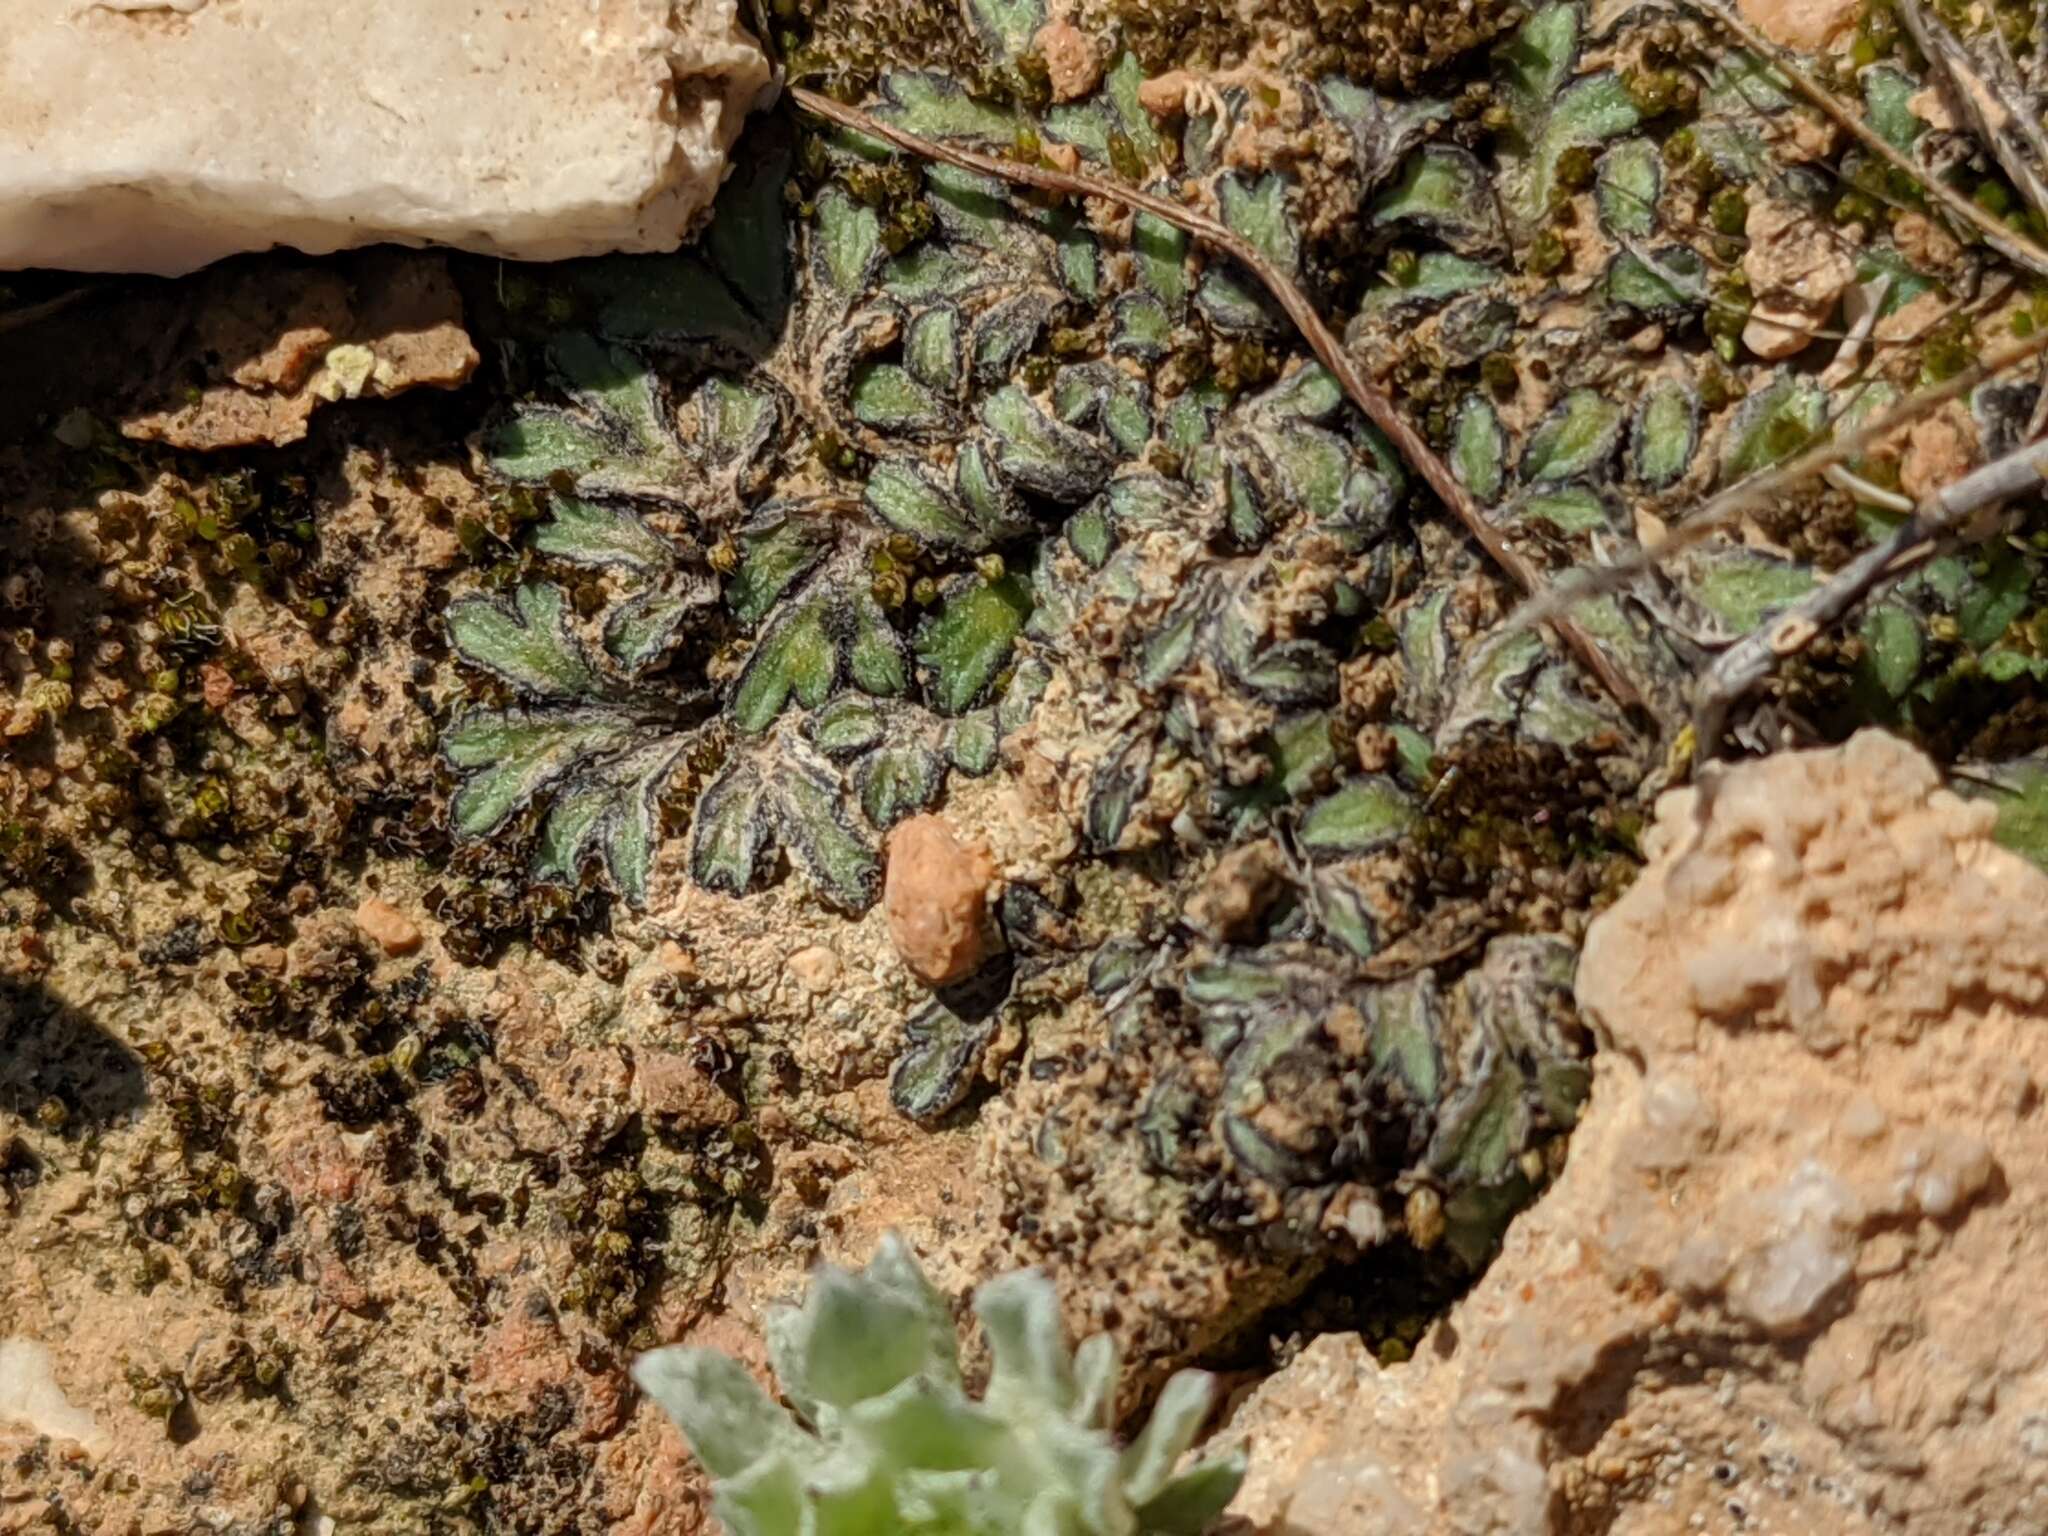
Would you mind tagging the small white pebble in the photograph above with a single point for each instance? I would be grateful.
(74, 428)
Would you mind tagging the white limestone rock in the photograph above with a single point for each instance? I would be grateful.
(31, 1398)
(160, 135)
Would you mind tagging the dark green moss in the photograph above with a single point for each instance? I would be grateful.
(1546, 254)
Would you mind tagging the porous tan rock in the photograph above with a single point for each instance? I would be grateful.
(1798, 271)
(936, 896)
(1925, 242)
(1238, 890)
(1938, 451)
(387, 927)
(815, 968)
(1073, 67)
(1807, 24)
(528, 1355)
(270, 344)
(1789, 1278)
(1165, 95)
(1931, 105)
(670, 1087)
(158, 137)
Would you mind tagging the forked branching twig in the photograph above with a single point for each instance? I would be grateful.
(1939, 519)
(1999, 235)
(1980, 101)
(1763, 489)
(1378, 409)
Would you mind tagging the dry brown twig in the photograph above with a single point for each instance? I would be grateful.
(1979, 100)
(1937, 520)
(2000, 236)
(1378, 409)
(1678, 282)
(1760, 490)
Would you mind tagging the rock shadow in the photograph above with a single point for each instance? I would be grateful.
(52, 1053)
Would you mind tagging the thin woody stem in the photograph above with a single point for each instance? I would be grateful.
(1747, 663)
(1377, 407)
(2000, 236)
(1760, 490)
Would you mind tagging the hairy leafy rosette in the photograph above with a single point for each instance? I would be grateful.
(884, 1439)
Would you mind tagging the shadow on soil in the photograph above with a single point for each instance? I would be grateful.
(53, 1054)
